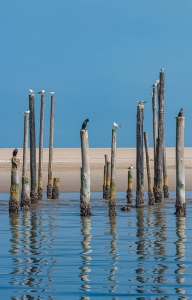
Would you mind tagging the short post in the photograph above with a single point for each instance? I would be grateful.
(130, 187)
(105, 176)
(160, 145)
(25, 193)
(14, 190)
(33, 194)
(108, 181)
(139, 157)
(180, 168)
(151, 200)
(165, 176)
(112, 201)
(154, 128)
(56, 191)
(85, 208)
(50, 176)
(40, 172)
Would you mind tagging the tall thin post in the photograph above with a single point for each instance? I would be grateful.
(14, 190)
(139, 157)
(180, 168)
(33, 194)
(105, 176)
(151, 200)
(165, 175)
(108, 181)
(154, 110)
(85, 208)
(40, 171)
(25, 193)
(112, 202)
(50, 175)
(160, 146)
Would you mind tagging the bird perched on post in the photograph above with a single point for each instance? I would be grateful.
(84, 125)
(27, 112)
(180, 114)
(41, 92)
(115, 125)
(15, 152)
(141, 102)
(52, 93)
(31, 91)
(130, 168)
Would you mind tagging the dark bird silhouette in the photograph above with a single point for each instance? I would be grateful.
(15, 152)
(180, 114)
(84, 125)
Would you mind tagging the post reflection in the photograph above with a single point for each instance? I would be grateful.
(86, 258)
(180, 253)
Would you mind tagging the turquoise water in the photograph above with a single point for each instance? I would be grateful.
(51, 252)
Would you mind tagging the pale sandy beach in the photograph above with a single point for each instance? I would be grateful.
(67, 163)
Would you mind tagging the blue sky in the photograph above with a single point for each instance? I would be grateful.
(100, 57)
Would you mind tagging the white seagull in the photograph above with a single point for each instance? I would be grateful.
(31, 91)
(52, 93)
(141, 102)
(116, 125)
(130, 168)
(41, 92)
(27, 112)
(153, 85)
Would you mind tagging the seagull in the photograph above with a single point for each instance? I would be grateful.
(180, 114)
(116, 125)
(15, 152)
(84, 125)
(162, 69)
(154, 85)
(130, 168)
(31, 91)
(141, 102)
(41, 92)
(27, 112)
(52, 93)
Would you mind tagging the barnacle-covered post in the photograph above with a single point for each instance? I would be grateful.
(85, 208)
(129, 187)
(56, 191)
(33, 194)
(165, 175)
(151, 200)
(50, 165)
(105, 176)
(14, 190)
(112, 202)
(180, 168)
(40, 170)
(108, 181)
(139, 157)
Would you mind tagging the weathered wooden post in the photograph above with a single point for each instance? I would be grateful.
(112, 201)
(50, 176)
(40, 171)
(25, 193)
(85, 208)
(160, 145)
(56, 191)
(130, 187)
(33, 194)
(151, 200)
(165, 176)
(139, 157)
(154, 129)
(180, 168)
(14, 190)
(105, 176)
(108, 181)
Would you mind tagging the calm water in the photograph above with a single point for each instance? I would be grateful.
(53, 253)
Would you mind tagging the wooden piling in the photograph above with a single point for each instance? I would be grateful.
(14, 190)
(180, 168)
(40, 170)
(85, 208)
(160, 146)
(56, 191)
(105, 177)
(50, 165)
(33, 194)
(25, 194)
(112, 202)
(129, 187)
(165, 175)
(139, 157)
(108, 181)
(154, 110)
(151, 200)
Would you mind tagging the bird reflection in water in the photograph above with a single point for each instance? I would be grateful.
(86, 258)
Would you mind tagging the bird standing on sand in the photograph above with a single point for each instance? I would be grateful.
(115, 125)
(180, 114)
(141, 102)
(41, 92)
(27, 112)
(130, 168)
(31, 91)
(84, 125)
(15, 152)
(52, 93)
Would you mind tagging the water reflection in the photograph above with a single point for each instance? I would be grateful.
(86, 258)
